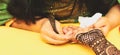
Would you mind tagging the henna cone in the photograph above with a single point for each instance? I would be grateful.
(96, 40)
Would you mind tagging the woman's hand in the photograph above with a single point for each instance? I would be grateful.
(103, 24)
(75, 30)
(57, 39)
(110, 20)
(49, 36)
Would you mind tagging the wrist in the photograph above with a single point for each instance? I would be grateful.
(96, 40)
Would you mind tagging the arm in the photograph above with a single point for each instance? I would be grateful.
(49, 36)
(114, 16)
(109, 21)
(96, 40)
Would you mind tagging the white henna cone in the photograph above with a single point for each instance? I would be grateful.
(88, 21)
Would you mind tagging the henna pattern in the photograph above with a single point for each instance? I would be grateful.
(96, 40)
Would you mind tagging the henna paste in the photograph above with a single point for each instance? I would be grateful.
(96, 40)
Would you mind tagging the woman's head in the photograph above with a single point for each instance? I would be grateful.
(27, 10)
(31, 10)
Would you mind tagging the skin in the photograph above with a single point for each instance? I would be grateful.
(105, 23)
(67, 34)
(109, 21)
(51, 37)
(47, 34)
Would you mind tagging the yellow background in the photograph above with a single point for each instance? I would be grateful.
(21, 42)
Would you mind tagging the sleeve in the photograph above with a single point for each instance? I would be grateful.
(101, 6)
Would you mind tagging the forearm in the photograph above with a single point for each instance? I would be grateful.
(96, 40)
(113, 16)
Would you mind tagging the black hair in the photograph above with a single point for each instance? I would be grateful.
(28, 10)
(32, 10)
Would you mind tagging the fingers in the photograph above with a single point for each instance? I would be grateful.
(66, 29)
(103, 25)
(69, 33)
(53, 35)
(101, 22)
(69, 28)
(105, 29)
(53, 41)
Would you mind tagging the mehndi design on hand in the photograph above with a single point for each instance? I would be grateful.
(96, 40)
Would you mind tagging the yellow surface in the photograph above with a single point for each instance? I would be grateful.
(20, 42)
